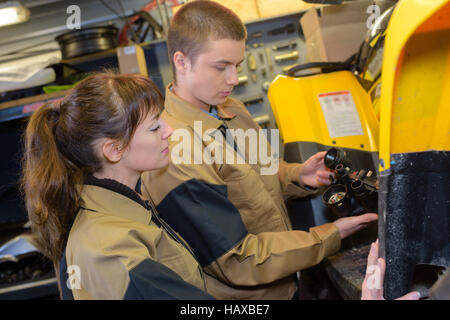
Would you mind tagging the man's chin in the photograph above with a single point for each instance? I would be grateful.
(214, 101)
(220, 100)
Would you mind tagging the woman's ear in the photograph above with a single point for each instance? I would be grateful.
(112, 150)
(181, 62)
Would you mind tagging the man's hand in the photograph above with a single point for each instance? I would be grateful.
(349, 225)
(372, 287)
(314, 173)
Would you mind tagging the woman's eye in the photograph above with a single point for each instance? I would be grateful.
(155, 128)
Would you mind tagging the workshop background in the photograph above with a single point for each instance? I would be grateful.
(331, 50)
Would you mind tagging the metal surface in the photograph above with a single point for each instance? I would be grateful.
(287, 56)
(415, 219)
(49, 18)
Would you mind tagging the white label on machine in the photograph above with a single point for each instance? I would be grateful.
(129, 50)
(340, 114)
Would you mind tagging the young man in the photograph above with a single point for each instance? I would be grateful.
(233, 216)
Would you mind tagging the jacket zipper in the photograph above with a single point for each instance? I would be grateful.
(173, 234)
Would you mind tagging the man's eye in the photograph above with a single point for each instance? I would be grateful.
(221, 68)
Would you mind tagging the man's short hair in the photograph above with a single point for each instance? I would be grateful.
(198, 22)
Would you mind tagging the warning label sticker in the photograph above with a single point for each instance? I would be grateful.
(340, 114)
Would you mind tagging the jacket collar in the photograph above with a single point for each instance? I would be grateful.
(111, 197)
(181, 109)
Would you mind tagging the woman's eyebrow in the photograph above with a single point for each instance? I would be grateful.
(156, 116)
(154, 119)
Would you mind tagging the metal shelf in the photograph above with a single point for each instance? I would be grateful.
(24, 107)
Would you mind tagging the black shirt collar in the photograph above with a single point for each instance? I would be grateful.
(115, 186)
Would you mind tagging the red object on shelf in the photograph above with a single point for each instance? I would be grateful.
(123, 36)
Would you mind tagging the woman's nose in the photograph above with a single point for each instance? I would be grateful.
(168, 130)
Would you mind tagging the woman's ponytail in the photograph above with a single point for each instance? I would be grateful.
(49, 182)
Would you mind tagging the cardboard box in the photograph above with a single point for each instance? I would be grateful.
(247, 10)
(251, 10)
(132, 60)
(339, 30)
(271, 8)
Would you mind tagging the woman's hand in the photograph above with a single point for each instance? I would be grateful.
(372, 287)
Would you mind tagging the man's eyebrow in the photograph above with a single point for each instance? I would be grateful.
(228, 62)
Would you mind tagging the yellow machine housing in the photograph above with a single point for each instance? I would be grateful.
(415, 100)
(296, 104)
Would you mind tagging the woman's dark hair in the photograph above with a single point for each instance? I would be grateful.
(60, 147)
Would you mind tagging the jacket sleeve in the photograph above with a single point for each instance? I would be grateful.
(271, 256)
(152, 280)
(123, 268)
(289, 174)
(210, 223)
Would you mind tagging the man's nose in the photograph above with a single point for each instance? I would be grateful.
(233, 79)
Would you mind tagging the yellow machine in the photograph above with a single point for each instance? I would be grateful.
(395, 122)
(414, 152)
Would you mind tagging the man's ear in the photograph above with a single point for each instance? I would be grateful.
(181, 62)
(112, 150)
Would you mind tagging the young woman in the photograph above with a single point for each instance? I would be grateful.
(83, 158)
